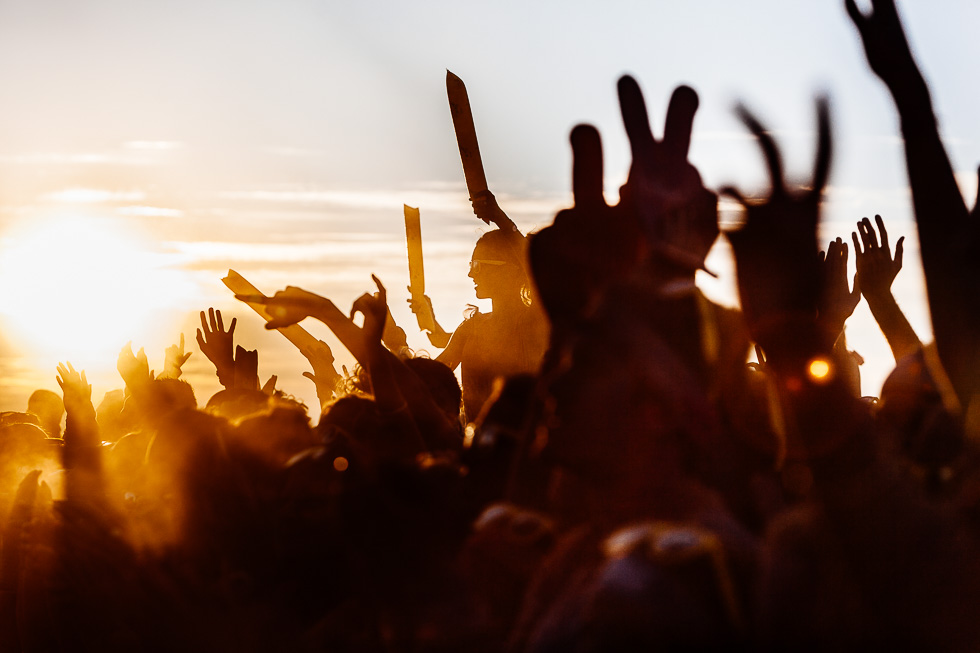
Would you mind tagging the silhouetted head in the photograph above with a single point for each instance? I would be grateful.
(276, 435)
(913, 416)
(496, 267)
(49, 409)
(113, 422)
(356, 427)
(237, 403)
(441, 382)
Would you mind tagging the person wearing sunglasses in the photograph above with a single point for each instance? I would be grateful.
(512, 337)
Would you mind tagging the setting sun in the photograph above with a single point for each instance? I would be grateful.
(78, 287)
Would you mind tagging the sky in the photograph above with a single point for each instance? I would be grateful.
(146, 148)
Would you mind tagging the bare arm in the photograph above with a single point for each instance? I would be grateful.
(948, 234)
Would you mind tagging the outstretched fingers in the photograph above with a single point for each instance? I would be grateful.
(857, 246)
(635, 118)
(587, 166)
(882, 231)
(769, 150)
(821, 166)
(382, 293)
(680, 121)
(870, 235)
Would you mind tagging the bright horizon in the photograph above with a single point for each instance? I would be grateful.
(281, 140)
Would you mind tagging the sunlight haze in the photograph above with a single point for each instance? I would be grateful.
(147, 148)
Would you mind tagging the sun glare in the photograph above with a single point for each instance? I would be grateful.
(78, 288)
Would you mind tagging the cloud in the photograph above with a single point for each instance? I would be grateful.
(294, 152)
(427, 196)
(68, 158)
(150, 211)
(153, 145)
(92, 196)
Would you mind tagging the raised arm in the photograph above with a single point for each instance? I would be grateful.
(324, 374)
(438, 336)
(780, 285)
(396, 382)
(293, 305)
(948, 234)
(486, 208)
(377, 360)
(82, 453)
(779, 276)
(218, 345)
(837, 301)
(876, 270)
(677, 214)
(174, 361)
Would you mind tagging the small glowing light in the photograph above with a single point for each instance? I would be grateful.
(820, 370)
(340, 464)
(468, 434)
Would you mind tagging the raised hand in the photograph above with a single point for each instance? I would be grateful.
(884, 40)
(677, 213)
(269, 387)
(589, 246)
(876, 269)
(375, 310)
(425, 316)
(174, 360)
(775, 250)
(837, 302)
(218, 345)
(288, 306)
(423, 309)
(246, 368)
(394, 336)
(76, 388)
(134, 369)
(324, 374)
(81, 429)
(486, 208)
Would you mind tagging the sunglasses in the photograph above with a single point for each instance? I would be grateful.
(476, 264)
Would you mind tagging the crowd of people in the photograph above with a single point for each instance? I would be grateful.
(610, 475)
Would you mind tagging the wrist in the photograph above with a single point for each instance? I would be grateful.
(879, 300)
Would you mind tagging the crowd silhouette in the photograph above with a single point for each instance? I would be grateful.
(610, 475)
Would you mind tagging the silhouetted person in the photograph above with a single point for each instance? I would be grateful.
(512, 338)
(49, 409)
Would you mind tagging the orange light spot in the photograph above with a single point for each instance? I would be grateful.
(820, 370)
(340, 464)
